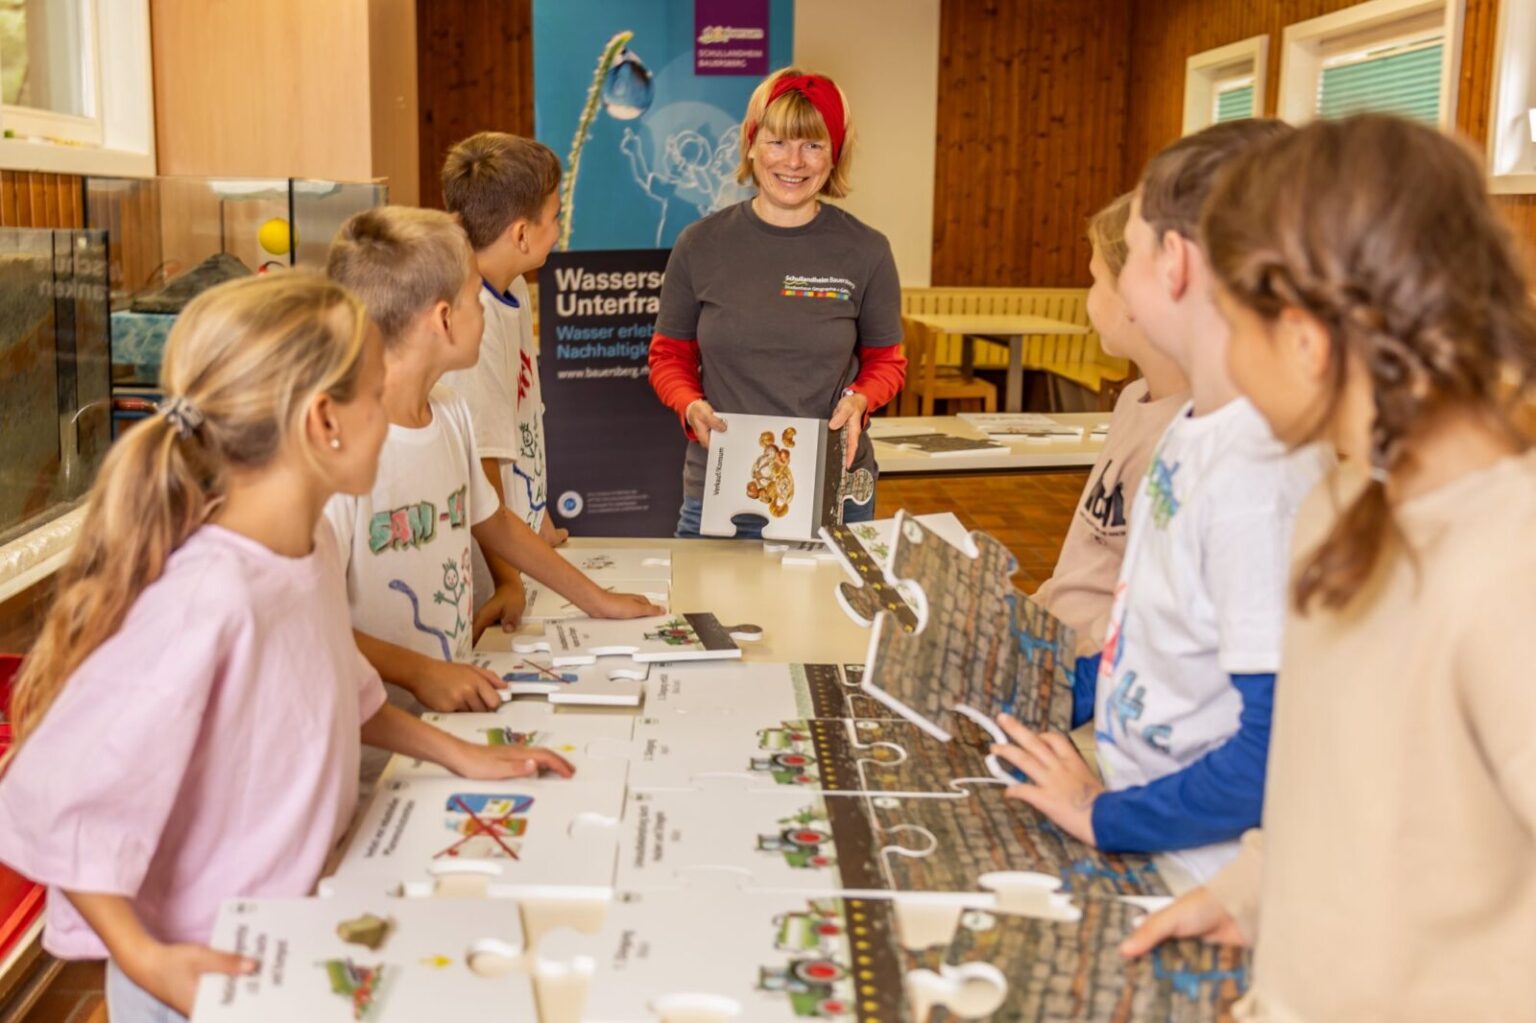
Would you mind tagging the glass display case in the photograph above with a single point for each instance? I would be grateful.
(170, 238)
(55, 390)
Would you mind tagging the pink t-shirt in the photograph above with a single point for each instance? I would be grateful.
(208, 750)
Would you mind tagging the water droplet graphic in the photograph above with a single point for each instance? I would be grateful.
(627, 88)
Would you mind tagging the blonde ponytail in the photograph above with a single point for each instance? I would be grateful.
(241, 367)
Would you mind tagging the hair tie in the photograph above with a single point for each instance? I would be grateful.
(823, 95)
(1379, 474)
(181, 414)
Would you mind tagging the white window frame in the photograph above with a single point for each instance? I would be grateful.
(120, 139)
(1306, 46)
(1512, 112)
(1205, 73)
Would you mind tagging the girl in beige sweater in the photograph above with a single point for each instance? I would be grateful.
(1376, 302)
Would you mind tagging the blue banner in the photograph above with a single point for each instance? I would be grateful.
(649, 143)
(643, 101)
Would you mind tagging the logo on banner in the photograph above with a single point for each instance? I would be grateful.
(570, 504)
(730, 37)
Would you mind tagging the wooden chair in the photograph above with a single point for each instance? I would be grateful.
(929, 383)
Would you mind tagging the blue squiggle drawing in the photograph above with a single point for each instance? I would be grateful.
(399, 586)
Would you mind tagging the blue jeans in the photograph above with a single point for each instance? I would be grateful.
(689, 514)
(129, 1003)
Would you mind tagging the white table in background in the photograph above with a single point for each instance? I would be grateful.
(1016, 455)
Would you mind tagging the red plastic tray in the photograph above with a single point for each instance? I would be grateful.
(21, 901)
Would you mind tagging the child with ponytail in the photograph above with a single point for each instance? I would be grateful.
(1376, 303)
(188, 724)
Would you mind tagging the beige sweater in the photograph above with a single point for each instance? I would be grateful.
(1082, 588)
(1396, 877)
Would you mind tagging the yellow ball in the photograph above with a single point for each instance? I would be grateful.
(274, 236)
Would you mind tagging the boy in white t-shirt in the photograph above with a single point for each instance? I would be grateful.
(505, 192)
(406, 544)
(1184, 687)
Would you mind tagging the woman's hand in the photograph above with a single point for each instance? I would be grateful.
(171, 972)
(1196, 914)
(849, 414)
(1061, 784)
(703, 421)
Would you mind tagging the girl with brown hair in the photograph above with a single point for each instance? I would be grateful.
(1375, 302)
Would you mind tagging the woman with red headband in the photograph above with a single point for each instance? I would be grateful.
(782, 304)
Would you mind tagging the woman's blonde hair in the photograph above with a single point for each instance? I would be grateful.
(1382, 230)
(792, 116)
(242, 365)
(1106, 232)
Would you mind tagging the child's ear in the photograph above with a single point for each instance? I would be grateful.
(442, 317)
(321, 424)
(1173, 264)
(1308, 342)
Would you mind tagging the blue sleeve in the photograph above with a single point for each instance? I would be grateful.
(1214, 799)
(1085, 684)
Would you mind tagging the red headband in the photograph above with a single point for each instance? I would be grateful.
(823, 96)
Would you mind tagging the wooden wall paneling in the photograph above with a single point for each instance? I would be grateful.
(1032, 128)
(1479, 51)
(474, 72)
(38, 199)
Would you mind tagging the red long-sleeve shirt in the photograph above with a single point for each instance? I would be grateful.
(676, 378)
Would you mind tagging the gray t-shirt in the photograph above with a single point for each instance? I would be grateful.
(779, 313)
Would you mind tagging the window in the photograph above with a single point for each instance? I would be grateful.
(1388, 56)
(1512, 118)
(48, 61)
(1225, 84)
(75, 86)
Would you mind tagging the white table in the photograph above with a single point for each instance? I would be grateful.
(1003, 329)
(1016, 455)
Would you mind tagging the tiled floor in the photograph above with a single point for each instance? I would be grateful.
(1028, 513)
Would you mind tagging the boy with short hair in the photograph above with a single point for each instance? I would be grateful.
(406, 544)
(504, 190)
(1182, 692)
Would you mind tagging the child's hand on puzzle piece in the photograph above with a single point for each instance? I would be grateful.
(505, 607)
(1196, 914)
(449, 687)
(1061, 784)
(622, 605)
(171, 972)
(494, 763)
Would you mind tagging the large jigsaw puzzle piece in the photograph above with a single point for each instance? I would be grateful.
(611, 683)
(604, 564)
(582, 738)
(947, 845)
(768, 841)
(827, 755)
(809, 842)
(1069, 971)
(367, 957)
(980, 644)
(871, 593)
(685, 637)
(527, 835)
(769, 957)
